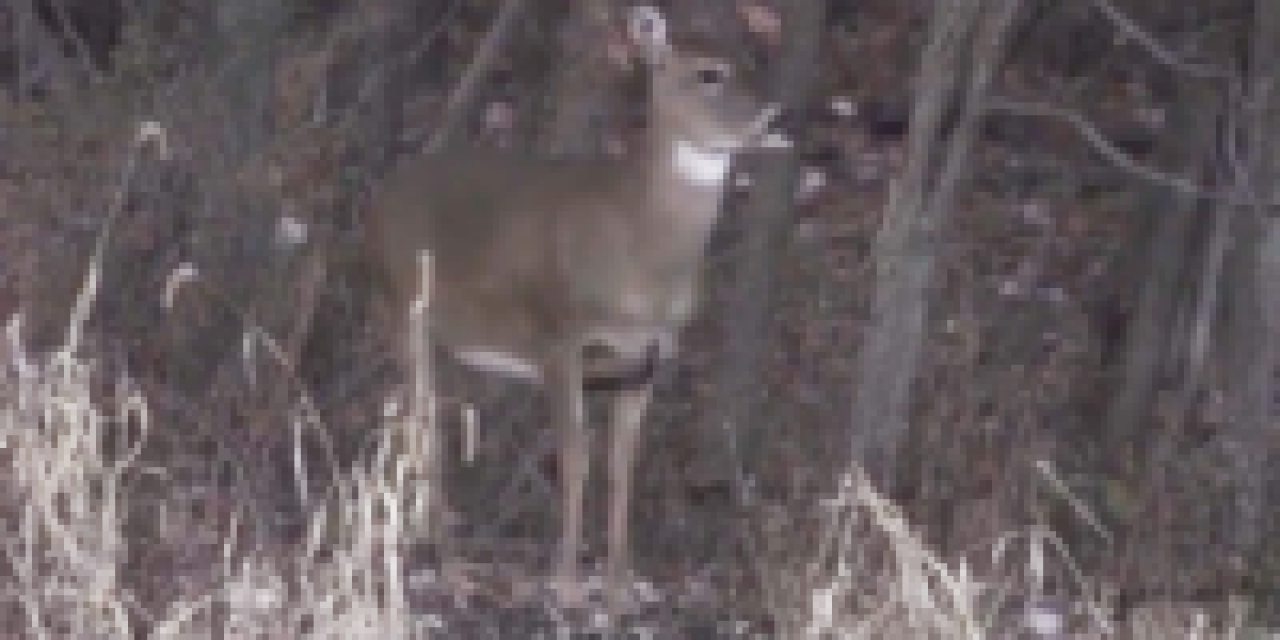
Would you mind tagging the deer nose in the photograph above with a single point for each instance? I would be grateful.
(760, 126)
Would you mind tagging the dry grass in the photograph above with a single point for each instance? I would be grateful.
(66, 549)
(67, 448)
(871, 576)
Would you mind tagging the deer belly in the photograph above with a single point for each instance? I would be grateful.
(498, 362)
(633, 343)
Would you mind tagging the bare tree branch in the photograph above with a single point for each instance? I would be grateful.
(1157, 49)
(1113, 154)
(83, 55)
(466, 89)
(378, 75)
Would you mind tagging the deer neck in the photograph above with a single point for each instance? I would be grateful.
(685, 188)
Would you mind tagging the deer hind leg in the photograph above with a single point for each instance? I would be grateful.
(629, 410)
(568, 413)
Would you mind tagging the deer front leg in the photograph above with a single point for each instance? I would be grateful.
(568, 414)
(628, 418)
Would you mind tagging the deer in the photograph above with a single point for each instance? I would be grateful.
(562, 271)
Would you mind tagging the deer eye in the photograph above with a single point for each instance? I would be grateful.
(712, 75)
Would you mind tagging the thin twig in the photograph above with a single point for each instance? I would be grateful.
(83, 55)
(1096, 139)
(1157, 49)
(462, 95)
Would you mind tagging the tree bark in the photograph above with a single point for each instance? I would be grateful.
(581, 85)
(1162, 281)
(767, 226)
(966, 42)
(1254, 309)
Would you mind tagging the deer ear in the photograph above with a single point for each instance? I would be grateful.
(648, 30)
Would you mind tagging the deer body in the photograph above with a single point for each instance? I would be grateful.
(521, 254)
(534, 260)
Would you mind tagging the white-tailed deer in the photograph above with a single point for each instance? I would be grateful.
(539, 265)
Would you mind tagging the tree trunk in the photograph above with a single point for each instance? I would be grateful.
(1162, 281)
(1254, 312)
(965, 47)
(581, 86)
(766, 228)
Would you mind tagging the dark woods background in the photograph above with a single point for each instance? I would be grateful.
(1098, 294)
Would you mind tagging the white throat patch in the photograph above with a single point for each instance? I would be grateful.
(498, 362)
(701, 167)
